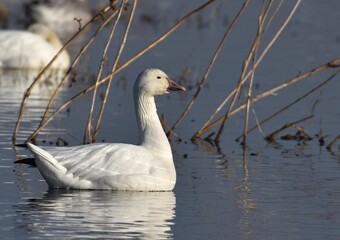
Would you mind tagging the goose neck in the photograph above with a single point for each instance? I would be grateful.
(151, 133)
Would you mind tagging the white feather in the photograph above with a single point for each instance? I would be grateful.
(145, 167)
(32, 49)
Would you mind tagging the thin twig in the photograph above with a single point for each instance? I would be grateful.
(291, 104)
(273, 16)
(157, 41)
(260, 33)
(88, 131)
(245, 67)
(219, 108)
(271, 137)
(30, 88)
(165, 125)
(332, 143)
(103, 80)
(75, 61)
(207, 71)
(249, 93)
(114, 67)
(332, 64)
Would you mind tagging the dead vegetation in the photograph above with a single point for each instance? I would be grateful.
(214, 126)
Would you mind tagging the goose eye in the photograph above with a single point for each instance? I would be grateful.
(158, 77)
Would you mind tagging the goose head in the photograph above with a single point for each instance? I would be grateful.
(154, 82)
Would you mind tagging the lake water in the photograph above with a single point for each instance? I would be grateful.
(280, 190)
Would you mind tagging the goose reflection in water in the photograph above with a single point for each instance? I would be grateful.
(99, 214)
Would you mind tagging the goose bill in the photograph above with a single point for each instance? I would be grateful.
(174, 86)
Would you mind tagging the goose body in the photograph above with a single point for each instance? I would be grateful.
(147, 166)
(31, 49)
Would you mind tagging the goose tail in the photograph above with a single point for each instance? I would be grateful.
(49, 167)
(54, 173)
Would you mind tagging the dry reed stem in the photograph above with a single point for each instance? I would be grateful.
(131, 60)
(88, 131)
(291, 104)
(332, 143)
(29, 89)
(157, 41)
(273, 16)
(251, 55)
(114, 67)
(303, 131)
(260, 33)
(206, 125)
(332, 64)
(78, 57)
(165, 126)
(254, 55)
(207, 71)
(271, 137)
(219, 108)
(74, 63)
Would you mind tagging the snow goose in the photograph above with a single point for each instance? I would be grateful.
(32, 49)
(147, 166)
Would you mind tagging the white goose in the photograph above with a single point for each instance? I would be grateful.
(32, 49)
(117, 166)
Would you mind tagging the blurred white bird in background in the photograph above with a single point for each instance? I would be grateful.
(31, 49)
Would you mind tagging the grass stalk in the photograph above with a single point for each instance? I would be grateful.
(271, 137)
(258, 39)
(332, 64)
(157, 41)
(251, 55)
(59, 87)
(114, 67)
(28, 91)
(123, 66)
(249, 92)
(292, 103)
(88, 136)
(207, 71)
(332, 143)
(207, 125)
